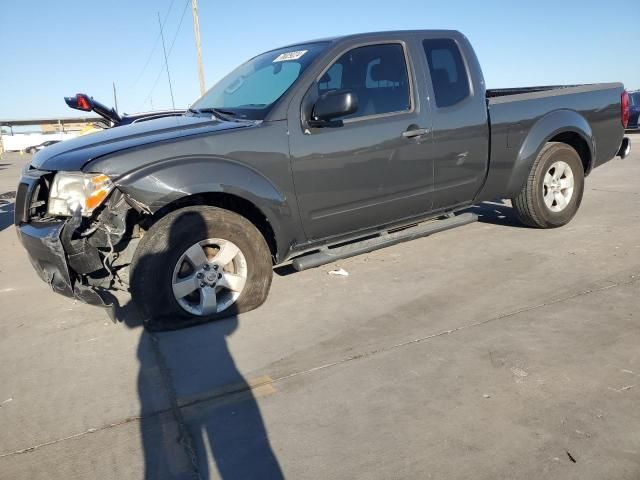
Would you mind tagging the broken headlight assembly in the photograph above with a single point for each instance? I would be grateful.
(72, 191)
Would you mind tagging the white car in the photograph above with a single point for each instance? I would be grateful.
(36, 148)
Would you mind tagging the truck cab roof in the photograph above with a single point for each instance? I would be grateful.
(377, 35)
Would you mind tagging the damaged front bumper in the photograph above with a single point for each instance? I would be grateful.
(60, 258)
(43, 243)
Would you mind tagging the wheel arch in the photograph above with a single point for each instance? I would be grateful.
(563, 126)
(579, 144)
(227, 201)
(163, 187)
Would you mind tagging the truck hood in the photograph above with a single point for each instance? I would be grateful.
(73, 155)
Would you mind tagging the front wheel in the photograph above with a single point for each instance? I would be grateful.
(553, 191)
(199, 264)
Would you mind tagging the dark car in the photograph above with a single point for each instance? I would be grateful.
(86, 103)
(634, 111)
(36, 148)
(307, 153)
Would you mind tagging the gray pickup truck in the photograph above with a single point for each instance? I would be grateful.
(308, 153)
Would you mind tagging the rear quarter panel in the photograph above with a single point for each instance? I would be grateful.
(522, 124)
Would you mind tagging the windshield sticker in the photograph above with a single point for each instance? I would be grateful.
(235, 85)
(284, 57)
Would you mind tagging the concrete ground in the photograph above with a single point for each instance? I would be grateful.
(490, 351)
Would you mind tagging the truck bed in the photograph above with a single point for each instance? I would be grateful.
(516, 115)
(502, 92)
(500, 95)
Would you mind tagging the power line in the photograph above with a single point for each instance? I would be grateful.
(166, 63)
(175, 36)
(155, 45)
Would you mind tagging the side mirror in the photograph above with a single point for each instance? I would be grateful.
(333, 104)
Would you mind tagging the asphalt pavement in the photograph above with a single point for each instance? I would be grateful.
(489, 351)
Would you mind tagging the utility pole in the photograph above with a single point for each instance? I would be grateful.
(115, 97)
(196, 31)
(166, 62)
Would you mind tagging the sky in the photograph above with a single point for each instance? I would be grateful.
(51, 49)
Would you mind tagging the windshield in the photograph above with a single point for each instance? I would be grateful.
(635, 99)
(251, 90)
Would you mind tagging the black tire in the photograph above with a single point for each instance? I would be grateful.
(530, 206)
(164, 243)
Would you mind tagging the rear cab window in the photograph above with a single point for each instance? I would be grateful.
(448, 73)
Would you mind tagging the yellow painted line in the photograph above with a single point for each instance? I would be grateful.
(235, 392)
(260, 381)
(264, 390)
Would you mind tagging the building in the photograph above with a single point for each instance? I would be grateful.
(16, 135)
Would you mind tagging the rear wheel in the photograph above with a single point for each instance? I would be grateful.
(199, 264)
(553, 191)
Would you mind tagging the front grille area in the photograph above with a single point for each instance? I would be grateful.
(39, 198)
(21, 215)
(32, 195)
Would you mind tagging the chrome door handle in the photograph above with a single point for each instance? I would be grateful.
(418, 132)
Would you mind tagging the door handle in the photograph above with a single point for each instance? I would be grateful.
(418, 132)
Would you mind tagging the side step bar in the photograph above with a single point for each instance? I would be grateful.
(329, 255)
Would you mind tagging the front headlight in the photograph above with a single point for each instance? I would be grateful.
(70, 191)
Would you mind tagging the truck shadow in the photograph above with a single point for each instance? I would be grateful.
(6, 214)
(496, 212)
(212, 410)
